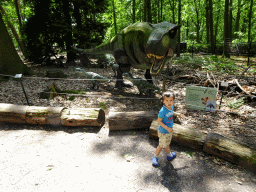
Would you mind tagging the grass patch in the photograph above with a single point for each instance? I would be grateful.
(103, 106)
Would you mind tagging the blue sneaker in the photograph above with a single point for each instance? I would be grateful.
(155, 162)
(172, 157)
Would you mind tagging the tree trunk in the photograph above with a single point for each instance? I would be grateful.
(179, 22)
(77, 17)
(216, 25)
(161, 11)
(68, 33)
(16, 3)
(207, 20)
(238, 16)
(10, 62)
(230, 21)
(197, 22)
(133, 10)
(211, 27)
(250, 18)
(226, 30)
(130, 120)
(114, 15)
(14, 32)
(145, 11)
(187, 30)
(149, 11)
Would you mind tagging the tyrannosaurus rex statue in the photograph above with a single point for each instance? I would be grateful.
(140, 45)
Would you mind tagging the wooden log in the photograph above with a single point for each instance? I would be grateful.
(233, 151)
(182, 135)
(13, 113)
(44, 115)
(130, 120)
(83, 117)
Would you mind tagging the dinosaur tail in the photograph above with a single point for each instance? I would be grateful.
(105, 48)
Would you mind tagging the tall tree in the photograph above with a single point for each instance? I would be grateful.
(211, 27)
(147, 11)
(179, 22)
(197, 23)
(172, 4)
(68, 33)
(207, 19)
(238, 16)
(250, 18)
(133, 11)
(14, 32)
(10, 62)
(226, 30)
(230, 20)
(217, 23)
(114, 15)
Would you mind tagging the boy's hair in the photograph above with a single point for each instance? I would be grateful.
(167, 94)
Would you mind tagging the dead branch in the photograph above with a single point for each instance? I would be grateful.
(236, 81)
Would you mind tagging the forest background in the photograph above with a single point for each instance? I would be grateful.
(43, 28)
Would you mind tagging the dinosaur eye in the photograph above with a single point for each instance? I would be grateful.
(165, 40)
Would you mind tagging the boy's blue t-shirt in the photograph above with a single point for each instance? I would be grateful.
(167, 118)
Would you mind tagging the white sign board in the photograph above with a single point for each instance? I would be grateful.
(197, 97)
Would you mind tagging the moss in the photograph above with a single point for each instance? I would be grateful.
(251, 159)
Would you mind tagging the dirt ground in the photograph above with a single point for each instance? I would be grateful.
(44, 158)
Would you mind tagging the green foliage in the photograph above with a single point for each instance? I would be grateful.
(236, 104)
(71, 98)
(103, 106)
(45, 25)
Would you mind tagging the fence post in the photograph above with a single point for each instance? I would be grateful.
(18, 76)
(249, 53)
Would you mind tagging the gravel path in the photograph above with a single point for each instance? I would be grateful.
(43, 158)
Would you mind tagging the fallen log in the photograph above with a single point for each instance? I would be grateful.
(51, 115)
(83, 117)
(230, 150)
(44, 115)
(130, 120)
(13, 113)
(182, 135)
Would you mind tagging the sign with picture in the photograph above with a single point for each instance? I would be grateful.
(197, 97)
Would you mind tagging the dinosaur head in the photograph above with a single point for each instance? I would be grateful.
(161, 44)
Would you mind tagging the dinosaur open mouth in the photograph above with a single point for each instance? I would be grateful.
(158, 61)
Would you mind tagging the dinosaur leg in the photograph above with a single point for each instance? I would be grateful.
(148, 76)
(124, 67)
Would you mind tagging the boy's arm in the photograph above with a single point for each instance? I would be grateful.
(176, 114)
(160, 122)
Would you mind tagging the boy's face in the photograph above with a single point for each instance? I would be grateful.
(168, 102)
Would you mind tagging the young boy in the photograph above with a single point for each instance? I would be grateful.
(165, 121)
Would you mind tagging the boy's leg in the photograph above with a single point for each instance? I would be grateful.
(167, 149)
(158, 150)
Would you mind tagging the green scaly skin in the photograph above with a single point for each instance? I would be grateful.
(140, 45)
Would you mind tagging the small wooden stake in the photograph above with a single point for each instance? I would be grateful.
(164, 83)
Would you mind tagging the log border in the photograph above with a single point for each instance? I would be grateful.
(212, 143)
